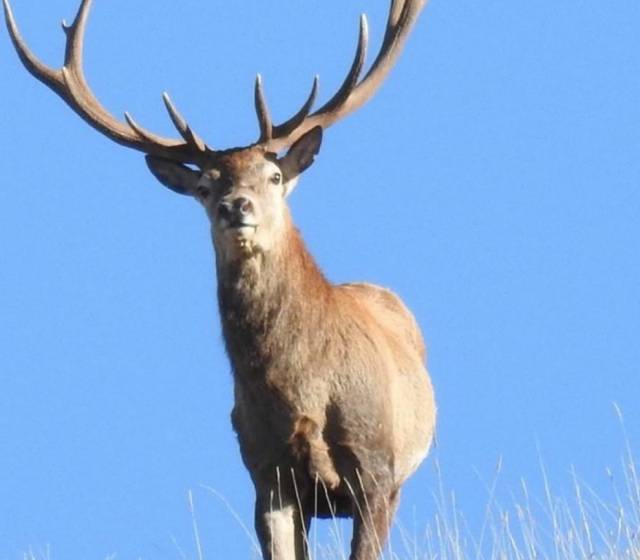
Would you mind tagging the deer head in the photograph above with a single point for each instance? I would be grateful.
(243, 189)
(243, 192)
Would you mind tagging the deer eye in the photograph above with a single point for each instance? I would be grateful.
(276, 178)
(203, 192)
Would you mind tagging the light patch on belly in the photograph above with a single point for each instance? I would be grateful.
(416, 460)
(281, 529)
(411, 462)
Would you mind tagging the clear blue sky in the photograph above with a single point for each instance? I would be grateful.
(494, 183)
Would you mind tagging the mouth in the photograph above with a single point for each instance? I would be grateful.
(241, 235)
(240, 228)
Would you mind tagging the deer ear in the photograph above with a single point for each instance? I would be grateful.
(179, 178)
(300, 156)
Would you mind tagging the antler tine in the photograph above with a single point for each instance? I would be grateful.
(182, 126)
(70, 84)
(297, 119)
(350, 82)
(74, 49)
(139, 130)
(262, 110)
(47, 75)
(354, 93)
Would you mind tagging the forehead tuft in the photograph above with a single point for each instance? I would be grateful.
(240, 163)
(241, 159)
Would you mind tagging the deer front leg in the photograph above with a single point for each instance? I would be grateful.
(372, 520)
(308, 445)
(281, 528)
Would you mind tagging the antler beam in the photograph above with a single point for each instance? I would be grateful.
(70, 84)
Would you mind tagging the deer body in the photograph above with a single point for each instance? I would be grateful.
(348, 357)
(333, 405)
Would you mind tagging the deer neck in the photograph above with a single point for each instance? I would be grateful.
(271, 305)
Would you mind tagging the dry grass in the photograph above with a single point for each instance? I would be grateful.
(548, 527)
(583, 526)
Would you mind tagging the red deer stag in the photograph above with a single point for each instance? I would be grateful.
(334, 409)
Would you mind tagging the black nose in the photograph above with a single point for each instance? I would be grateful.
(243, 205)
(238, 207)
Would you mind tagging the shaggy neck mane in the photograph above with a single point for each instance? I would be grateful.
(272, 306)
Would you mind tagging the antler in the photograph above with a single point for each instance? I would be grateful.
(70, 84)
(353, 93)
